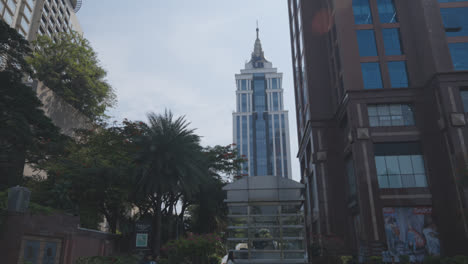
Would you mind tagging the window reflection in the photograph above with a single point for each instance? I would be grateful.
(238, 210)
(387, 11)
(455, 21)
(264, 210)
(366, 43)
(351, 177)
(464, 96)
(390, 115)
(398, 74)
(243, 84)
(392, 43)
(362, 12)
(371, 75)
(459, 53)
(399, 165)
(265, 233)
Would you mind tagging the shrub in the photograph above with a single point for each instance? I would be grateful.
(194, 249)
(404, 259)
(108, 260)
(346, 259)
(432, 260)
(377, 259)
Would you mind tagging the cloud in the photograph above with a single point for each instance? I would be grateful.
(182, 55)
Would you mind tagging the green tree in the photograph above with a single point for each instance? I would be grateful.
(207, 209)
(26, 134)
(93, 178)
(169, 162)
(69, 66)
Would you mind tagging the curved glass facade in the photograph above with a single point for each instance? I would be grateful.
(266, 231)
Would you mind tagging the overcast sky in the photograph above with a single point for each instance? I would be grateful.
(183, 54)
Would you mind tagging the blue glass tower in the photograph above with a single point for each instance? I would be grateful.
(261, 129)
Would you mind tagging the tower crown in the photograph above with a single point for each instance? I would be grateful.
(257, 59)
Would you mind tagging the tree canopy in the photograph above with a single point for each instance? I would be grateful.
(26, 133)
(69, 66)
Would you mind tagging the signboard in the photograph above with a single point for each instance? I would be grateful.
(142, 234)
(411, 231)
(141, 240)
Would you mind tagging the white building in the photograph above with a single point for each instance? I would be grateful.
(32, 17)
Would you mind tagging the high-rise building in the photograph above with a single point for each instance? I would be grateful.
(261, 129)
(381, 101)
(44, 17)
(265, 213)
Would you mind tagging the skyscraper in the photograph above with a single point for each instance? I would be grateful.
(33, 17)
(382, 103)
(265, 219)
(261, 129)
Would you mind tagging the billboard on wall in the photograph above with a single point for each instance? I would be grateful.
(411, 231)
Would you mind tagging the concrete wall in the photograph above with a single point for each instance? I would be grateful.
(72, 242)
(62, 114)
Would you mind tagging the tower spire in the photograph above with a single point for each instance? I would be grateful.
(257, 29)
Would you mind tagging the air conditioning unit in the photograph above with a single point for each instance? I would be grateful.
(18, 199)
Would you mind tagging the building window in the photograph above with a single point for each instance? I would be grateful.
(366, 41)
(387, 11)
(274, 83)
(276, 106)
(448, 1)
(11, 5)
(244, 103)
(7, 17)
(46, 10)
(398, 74)
(362, 12)
(384, 115)
(464, 96)
(371, 75)
(455, 21)
(351, 177)
(24, 24)
(27, 12)
(399, 165)
(392, 43)
(30, 3)
(459, 52)
(1, 7)
(243, 84)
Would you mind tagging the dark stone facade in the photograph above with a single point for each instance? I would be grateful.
(333, 126)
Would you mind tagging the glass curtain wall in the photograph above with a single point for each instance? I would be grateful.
(270, 231)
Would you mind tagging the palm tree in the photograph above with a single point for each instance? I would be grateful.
(169, 161)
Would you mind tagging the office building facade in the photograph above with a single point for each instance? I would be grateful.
(381, 101)
(261, 130)
(43, 17)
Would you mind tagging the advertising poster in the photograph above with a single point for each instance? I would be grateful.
(411, 231)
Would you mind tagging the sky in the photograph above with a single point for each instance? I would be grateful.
(182, 55)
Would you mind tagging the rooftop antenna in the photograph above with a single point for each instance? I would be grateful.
(257, 28)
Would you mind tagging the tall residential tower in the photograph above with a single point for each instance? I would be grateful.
(261, 129)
